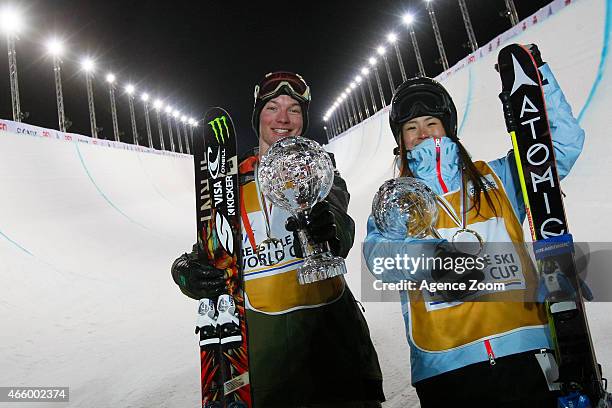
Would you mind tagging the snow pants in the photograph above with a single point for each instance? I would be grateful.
(513, 381)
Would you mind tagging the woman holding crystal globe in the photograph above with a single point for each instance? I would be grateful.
(309, 345)
(470, 348)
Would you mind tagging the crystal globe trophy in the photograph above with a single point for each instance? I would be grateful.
(405, 207)
(295, 174)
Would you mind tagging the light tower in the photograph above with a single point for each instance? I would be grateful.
(130, 89)
(511, 12)
(347, 108)
(366, 72)
(372, 62)
(192, 124)
(10, 23)
(341, 114)
(158, 106)
(337, 118)
(359, 80)
(348, 91)
(88, 66)
(175, 115)
(56, 49)
(383, 53)
(185, 135)
(408, 19)
(436, 29)
(392, 38)
(353, 87)
(468, 26)
(145, 103)
(169, 111)
(111, 80)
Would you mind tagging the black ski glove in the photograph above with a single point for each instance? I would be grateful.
(320, 226)
(197, 279)
(535, 53)
(466, 270)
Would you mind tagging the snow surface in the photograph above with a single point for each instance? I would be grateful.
(88, 234)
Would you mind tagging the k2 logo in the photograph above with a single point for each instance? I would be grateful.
(219, 126)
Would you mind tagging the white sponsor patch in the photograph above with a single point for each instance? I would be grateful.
(489, 183)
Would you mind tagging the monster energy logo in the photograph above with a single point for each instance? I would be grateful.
(219, 126)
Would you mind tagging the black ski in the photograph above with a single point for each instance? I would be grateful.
(527, 122)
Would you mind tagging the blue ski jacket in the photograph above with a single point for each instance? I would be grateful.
(568, 139)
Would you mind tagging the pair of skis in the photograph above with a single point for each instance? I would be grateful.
(221, 322)
(524, 107)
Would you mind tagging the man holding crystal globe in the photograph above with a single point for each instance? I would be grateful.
(470, 348)
(309, 345)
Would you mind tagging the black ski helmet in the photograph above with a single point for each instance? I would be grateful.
(278, 83)
(422, 96)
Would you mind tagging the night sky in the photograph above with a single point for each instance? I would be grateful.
(197, 54)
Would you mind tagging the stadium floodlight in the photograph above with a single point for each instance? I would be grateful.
(87, 64)
(372, 61)
(130, 89)
(110, 79)
(158, 104)
(184, 119)
(436, 29)
(10, 23)
(468, 25)
(11, 20)
(169, 109)
(144, 97)
(392, 38)
(358, 79)
(382, 52)
(176, 115)
(408, 20)
(55, 47)
(366, 72)
(349, 90)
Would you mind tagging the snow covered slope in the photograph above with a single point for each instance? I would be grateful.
(88, 233)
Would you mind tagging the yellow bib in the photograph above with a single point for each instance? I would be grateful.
(274, 289)
(439, 326)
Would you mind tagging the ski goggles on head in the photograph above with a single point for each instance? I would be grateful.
(274, 82)
(420, 103)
